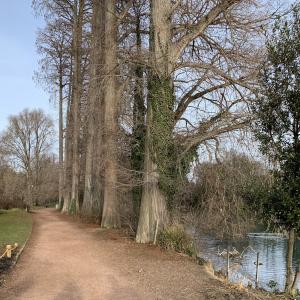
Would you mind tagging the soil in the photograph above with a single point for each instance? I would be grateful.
(65, 259)
(6, 263)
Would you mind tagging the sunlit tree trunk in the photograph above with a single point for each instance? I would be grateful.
(68, 151)
(77, 92)
(110, 216)
(153, 204)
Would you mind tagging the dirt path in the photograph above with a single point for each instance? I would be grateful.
(67, 260)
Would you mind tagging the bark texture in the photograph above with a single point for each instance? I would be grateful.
(289, 262)
(91, 207)
(153, 204)
(296, 280)
(61, 141)
(111, 214)
(68, 152)
(139, 128)
(153, 210)
(77, 92)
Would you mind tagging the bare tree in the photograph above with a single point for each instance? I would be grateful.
(203, 65)
(53, 45)
(27, 142)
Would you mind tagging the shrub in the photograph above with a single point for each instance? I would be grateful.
(175, 238)
(228, 195)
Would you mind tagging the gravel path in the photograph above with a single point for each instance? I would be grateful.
(66, 260)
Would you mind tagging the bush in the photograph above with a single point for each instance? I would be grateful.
(228, 195)
(175, 238)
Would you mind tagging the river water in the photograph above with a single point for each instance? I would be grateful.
(272, 254)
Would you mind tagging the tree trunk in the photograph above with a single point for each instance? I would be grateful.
(77, 91)
(159, 119)
(92, 198)
(289, 261)
(153, 204)
(68, 165)
(138, 141)
(111, 214)
(61, 141)
(68, 146)
(29, 185)
(296, 280)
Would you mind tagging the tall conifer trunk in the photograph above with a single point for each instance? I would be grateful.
(138, 134)
(77, 92)
(92, 196)
(68, 146)
(111, 214)
(61, 141)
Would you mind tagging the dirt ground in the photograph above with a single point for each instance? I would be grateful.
(65, 259)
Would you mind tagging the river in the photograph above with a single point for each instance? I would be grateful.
(272, 255)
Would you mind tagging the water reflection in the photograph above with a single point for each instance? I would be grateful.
(272, 251)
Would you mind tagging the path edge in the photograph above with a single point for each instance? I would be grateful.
(17, 257)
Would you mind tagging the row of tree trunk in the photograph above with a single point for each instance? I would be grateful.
(142, 85)
(100, 200)
(128, 73)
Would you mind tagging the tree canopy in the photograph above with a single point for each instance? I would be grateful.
(277, 113)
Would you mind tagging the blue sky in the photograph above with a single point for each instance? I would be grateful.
(18, 61)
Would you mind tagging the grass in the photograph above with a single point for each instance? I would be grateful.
(15, 227)
(175, 238)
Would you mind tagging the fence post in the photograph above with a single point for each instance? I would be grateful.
(8, 251)
(228, 262)
(257, 267)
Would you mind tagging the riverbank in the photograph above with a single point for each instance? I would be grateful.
(272, 251)
(65, 259)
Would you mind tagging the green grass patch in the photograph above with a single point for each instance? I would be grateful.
(15, 227)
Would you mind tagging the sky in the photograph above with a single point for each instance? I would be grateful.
(18, 61)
